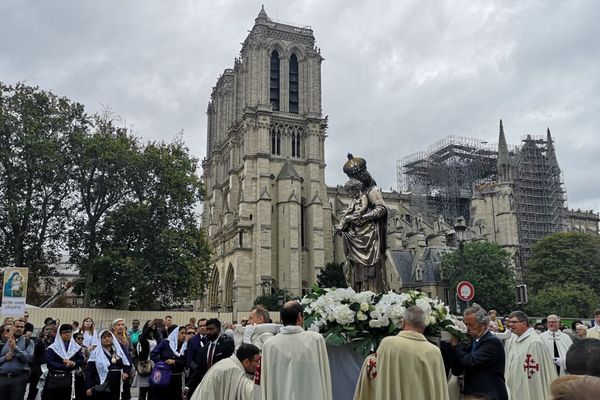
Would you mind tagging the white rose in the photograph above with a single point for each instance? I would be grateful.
(361, 316)
(374, 323)
(432, 320)
(364, 307)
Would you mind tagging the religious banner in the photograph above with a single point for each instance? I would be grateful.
(14, 290)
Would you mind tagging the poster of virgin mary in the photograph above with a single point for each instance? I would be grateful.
(14, 284)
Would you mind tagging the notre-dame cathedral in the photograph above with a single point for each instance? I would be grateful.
(270, 215)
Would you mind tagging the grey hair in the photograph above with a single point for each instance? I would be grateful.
(262, 312)
(520, 315)
(481, 316)
(415, 317)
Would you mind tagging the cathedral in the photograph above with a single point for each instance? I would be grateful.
(270, 216)
(266, 207)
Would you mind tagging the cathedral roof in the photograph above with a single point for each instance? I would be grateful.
(288, 172)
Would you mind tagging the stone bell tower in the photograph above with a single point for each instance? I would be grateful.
(266, 208)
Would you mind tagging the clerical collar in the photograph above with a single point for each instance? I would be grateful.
(290, 329)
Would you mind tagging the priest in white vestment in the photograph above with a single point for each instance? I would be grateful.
(294, 363)
(258, 330)
(558, 343)
(405, 367)
(594, 331)
(529, 368)
(231, 378)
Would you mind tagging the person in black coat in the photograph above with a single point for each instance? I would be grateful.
(218, 347)
(483, 361)
(45, 339)
(172, 352)
(62, 358)
(108, 362)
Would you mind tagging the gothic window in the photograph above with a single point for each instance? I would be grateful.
(294, 84)
(274, 83)
(275, 142)
(302, 222)
(297, 144)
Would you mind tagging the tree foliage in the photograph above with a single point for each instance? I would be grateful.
(332, 276)
(562, 275)
(156, 233)
(570, 300)
(125, 210)
(565, 258)
(35, 171)
(271, 301)
(488, 267)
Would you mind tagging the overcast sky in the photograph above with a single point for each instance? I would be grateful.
(397, 75)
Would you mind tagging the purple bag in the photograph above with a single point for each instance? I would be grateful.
(160, 375)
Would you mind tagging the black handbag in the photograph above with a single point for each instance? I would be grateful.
(102, 388)
(59, 379)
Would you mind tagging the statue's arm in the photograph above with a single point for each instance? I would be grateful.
(379, 209)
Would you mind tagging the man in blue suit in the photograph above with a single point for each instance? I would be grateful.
(482, 362)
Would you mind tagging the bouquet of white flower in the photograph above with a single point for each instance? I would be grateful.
(364, 319)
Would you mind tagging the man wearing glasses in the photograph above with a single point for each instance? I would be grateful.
(529, 366)
(15, 356)
(558, 343)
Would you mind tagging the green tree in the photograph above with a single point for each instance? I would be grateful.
(271, 301)
(565, 258)
(570, 300)
(35, 171)
(488, 267)
(102, 178)
(332, 276)
(152, 246)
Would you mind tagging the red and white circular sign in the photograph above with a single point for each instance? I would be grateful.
(465, 291)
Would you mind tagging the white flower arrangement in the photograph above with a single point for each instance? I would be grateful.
(363, 319)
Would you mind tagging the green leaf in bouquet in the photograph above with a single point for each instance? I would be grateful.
(349, 328)
(335, 339)
(392, 327)
(456, 333)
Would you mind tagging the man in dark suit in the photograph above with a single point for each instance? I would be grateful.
(482, 362)
(217, 348)
(195, 345)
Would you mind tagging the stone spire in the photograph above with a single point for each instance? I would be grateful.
(503, 163)
(550, 153)
(262, 16)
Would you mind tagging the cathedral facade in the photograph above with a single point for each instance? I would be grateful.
(270, 216)
(266, 208)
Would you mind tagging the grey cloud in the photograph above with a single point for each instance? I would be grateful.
(397, 76)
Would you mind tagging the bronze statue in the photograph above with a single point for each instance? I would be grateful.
(363, 230)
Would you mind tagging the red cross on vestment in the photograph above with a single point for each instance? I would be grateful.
(530, 366)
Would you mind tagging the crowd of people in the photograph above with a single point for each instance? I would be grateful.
(256, 359)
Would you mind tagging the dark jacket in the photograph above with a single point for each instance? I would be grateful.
(195, 345)
(114, 373)
(55, 362)
(482, 364)
(163, 352)
(223, 349)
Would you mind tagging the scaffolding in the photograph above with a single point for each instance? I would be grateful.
(540, 196)
(440, 179)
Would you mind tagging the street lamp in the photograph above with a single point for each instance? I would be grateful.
(461, 232)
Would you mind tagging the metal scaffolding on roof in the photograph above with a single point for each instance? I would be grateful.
(441, 178)
(540, 195)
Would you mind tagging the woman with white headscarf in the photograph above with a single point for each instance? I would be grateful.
(108, 363)
(62, 358)
(171, 351)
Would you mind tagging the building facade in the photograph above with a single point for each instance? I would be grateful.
(270, 215)
(266, 207)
